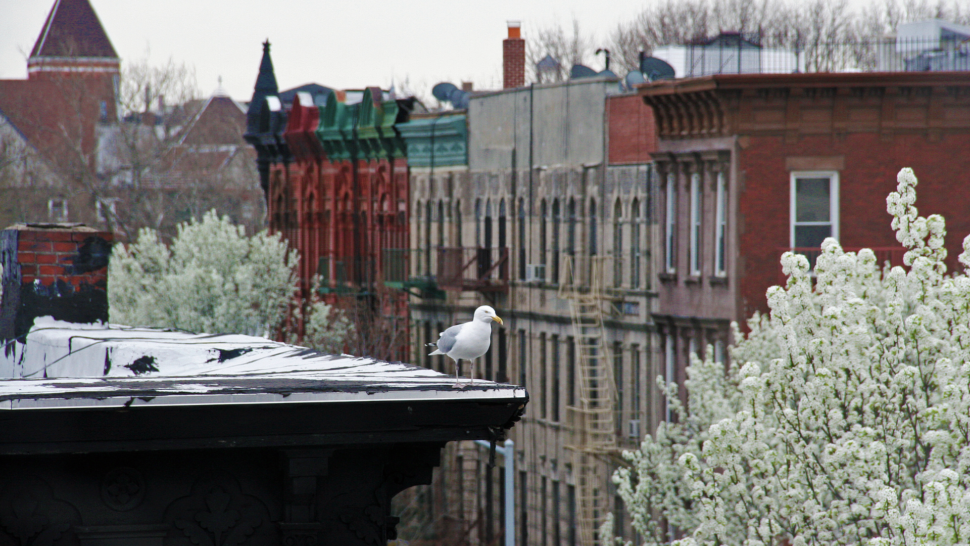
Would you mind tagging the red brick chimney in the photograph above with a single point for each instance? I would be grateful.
(513, 57)
(52, 269)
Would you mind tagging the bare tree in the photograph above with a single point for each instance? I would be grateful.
(567, 47)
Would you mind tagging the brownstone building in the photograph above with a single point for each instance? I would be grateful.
(751, 166)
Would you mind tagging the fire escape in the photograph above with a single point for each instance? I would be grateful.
(593, 418)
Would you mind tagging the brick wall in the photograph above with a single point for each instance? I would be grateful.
(59, 270)
(513, 63)
(633, 135)
(868, 176)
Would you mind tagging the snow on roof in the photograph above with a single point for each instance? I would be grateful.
(68, 365)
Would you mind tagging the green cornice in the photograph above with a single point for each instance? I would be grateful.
(359, 131)
(447, 134)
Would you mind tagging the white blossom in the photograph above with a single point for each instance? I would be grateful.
(844, 417)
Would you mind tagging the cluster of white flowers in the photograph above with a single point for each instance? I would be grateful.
(845, 418)
(213, 278)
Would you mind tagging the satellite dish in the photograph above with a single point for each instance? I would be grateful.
(656, 69)
(633, 78)
(581, 71)
(608, 73)
(443, 90)
(447, 92)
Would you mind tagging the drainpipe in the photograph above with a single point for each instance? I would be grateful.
(509, 453)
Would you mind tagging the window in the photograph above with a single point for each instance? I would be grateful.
(617, 244)
(554, 346)
(523, 507)
(814, 211)
(441, 223)
(556, 222)
(523, 355)
(635, 381)
(57, 210)
(571, 498)
(429, 250)
(720, 225)
(695, 224)
(571, 371)
(671, 223)
(478, 222)
(555, 513)
(592, 228)
(106, 209)
(543, 376)
(635, 244)
(543, 217)
(458, 241)
(719, 352)
(503, 356)
(571, 227)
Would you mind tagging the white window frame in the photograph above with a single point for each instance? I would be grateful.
(671, 223)
(63, 206)
(105, 204)
(720, 226)
(696, 215)
(833, 177)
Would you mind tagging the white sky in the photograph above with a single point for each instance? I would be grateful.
(338, 44)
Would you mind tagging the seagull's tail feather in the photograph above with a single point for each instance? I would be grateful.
(436, 351)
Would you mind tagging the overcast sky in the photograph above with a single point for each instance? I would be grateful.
(338, 44)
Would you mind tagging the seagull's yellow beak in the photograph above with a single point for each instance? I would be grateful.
(498, 319)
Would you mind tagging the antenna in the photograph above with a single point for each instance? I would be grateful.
(607, 52)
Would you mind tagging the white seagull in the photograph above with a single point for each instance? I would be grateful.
(467, 341)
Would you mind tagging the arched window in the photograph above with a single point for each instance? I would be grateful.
(458, 226)
(502, 223)
(441, 223)
(635, 244)
(617, 244)
(487, 233)
(556, 224)
(478, 223)
(593, 250)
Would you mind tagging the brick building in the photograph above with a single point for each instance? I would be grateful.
(336, 179)
(751, 166)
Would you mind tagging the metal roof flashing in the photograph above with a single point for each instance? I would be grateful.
(61, 365)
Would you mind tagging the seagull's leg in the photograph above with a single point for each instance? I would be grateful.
(457, 385)
(474, 362)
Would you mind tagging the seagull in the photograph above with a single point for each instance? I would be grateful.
(467, 341)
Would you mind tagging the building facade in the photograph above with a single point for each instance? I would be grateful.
(546, 217)
(751, 166)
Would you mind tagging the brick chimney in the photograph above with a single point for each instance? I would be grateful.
(513, 57)
(59, 270)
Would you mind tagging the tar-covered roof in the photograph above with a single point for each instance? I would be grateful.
(67, 365)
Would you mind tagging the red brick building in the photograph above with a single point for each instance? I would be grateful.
(336, 177)
(753, 165)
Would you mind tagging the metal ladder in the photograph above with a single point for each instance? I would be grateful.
(594, 415)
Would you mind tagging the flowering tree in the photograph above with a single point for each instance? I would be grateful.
(846, 419)
(213, 278)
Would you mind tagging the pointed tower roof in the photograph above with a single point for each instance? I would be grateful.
(73, 29)
(72, 36)
(265, 85)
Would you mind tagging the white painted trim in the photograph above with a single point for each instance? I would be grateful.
(671, 225)
(833, 177)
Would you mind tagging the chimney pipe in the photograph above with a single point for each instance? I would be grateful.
(513, 57)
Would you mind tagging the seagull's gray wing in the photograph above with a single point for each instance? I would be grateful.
(447, 340)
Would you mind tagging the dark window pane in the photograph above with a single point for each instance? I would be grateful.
(811, 236)
(812, 200)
